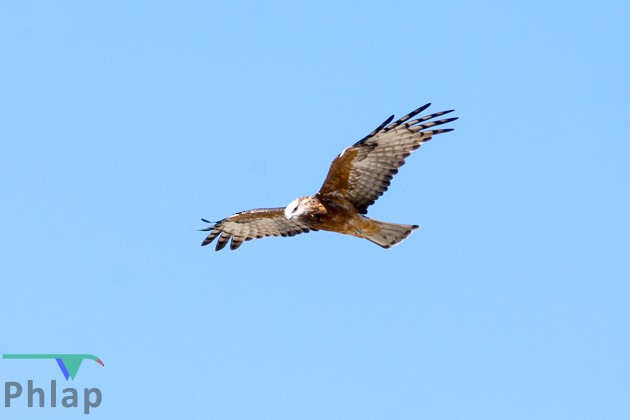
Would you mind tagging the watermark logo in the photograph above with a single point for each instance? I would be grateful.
(68, 363)
(36, 395)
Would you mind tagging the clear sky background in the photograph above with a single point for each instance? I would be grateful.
(123, 123)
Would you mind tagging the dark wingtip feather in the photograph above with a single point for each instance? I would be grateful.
(419, 110)
(383, 125)
(423, 107)
(407, 117)
(210, 237)
(221, 245)
(448, 120)
(208, 228)
(377, 129)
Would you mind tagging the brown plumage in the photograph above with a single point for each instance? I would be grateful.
(355, 180)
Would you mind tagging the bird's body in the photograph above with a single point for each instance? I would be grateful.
(332, 214)
(356, 178)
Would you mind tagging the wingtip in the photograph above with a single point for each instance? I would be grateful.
(208, 229)
(419, 110)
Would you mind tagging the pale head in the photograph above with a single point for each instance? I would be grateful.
(296, 208)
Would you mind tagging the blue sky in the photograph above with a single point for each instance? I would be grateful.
(123, 124)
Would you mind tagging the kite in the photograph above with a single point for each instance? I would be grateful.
(355, 180)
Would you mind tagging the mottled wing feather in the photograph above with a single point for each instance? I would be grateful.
(363, 171)
(252, 224)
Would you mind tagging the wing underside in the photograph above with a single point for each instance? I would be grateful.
(363, 171)
(252, 224)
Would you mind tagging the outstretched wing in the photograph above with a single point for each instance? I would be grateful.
(363, 171)
(251, 224)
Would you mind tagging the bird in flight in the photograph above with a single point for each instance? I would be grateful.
(356, 178)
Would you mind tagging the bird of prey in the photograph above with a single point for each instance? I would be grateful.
(356, 178)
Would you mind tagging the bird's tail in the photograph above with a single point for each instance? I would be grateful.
(389, 234)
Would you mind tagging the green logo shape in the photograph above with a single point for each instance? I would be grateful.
(68, 363)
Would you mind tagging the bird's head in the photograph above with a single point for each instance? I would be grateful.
(296, 208)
